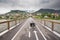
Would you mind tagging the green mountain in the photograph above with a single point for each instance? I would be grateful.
(13, 12)
(47, 11)
(16, 11)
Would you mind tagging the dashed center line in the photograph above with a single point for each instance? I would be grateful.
(29, 34)
(35, 32)
(41, 33)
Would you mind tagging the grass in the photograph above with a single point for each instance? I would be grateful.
(40, 17)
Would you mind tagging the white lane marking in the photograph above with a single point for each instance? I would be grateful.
(35, 32)
(2, 33)
(51, 30)
(29, 34)
(56, 33)
(41, 33)
(20, 30)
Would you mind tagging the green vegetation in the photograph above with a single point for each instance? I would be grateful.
(48, 16)
(0, 17)
(14, 14)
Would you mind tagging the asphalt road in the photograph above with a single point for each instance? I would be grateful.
(11, 33)
(28, 33)
(32, 34)
(39, 33)
(48, 34)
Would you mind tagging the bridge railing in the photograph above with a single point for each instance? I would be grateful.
(52, 24)
(6, 25)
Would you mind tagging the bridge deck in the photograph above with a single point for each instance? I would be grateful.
(25, 32)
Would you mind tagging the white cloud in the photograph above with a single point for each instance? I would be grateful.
(4, 10)
(28, 4)
(20, 4)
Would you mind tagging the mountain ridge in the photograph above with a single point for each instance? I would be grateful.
(47, 11)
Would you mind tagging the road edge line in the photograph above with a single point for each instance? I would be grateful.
(57, 34)
(19, 31)
(2, 33)
(41, 33)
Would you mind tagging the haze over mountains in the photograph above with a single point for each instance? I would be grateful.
(47, 11)
(39, 11)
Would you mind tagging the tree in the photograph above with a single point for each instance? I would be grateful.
(0, 17)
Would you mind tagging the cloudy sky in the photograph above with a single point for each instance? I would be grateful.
(7, 5)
